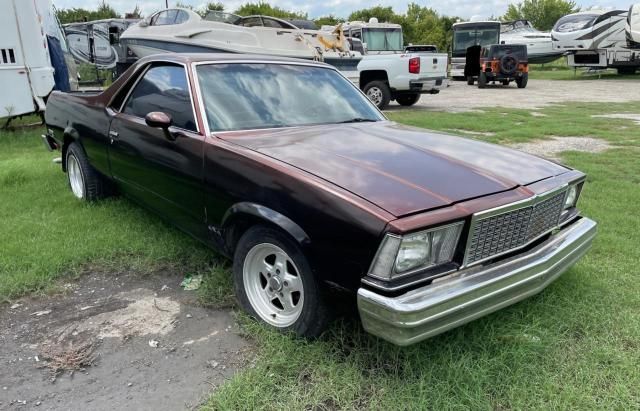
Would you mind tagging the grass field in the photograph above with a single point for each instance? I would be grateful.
(576, 345)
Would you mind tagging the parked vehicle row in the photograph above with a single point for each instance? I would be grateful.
(288, 169)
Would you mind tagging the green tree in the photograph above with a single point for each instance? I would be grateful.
(543, 14)
(77, 14)
(263, 8)
(329, 20)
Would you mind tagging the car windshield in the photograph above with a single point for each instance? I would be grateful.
(382, 39)
(239, 96)
(574, 23)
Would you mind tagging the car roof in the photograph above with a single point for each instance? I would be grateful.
(187, 58)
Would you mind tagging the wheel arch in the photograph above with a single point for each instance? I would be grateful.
(69, 135)
(367, 76)
(242, 216)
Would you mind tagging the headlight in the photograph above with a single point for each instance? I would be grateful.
(571, 197)
(400, 255)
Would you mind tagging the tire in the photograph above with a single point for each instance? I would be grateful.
(379, 93)
(482, 80)
(85, 182)
(408, 99)
(269, 272)
(505, 82)
(470, 80)
(522, 81)
(508, 64)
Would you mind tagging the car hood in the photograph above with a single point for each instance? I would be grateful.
(401, 169)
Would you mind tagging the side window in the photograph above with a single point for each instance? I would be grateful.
(163, 88)
(273, 23)
(164, 18)
(252, 22)
(356, 34)
(181, 17)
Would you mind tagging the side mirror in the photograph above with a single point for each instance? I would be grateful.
(158, 119)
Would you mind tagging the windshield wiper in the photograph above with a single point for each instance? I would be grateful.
(359, 120)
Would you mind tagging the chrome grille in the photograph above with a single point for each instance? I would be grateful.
(497, 234)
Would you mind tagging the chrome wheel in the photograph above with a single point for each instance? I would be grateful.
(375, 95)
(273, 285)
(76, 178)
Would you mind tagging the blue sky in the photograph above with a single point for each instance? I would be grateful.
(342, 8)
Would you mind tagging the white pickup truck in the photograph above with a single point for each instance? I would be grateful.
(402, 77)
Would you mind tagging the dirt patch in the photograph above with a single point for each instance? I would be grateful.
(116, 341)
(624, 116)
(552, 147)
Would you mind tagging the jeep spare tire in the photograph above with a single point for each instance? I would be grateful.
(508, 64)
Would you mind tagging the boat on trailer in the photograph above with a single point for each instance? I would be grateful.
(181, 30)
(539, 45)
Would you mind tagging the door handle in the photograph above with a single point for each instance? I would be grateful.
(113, 135)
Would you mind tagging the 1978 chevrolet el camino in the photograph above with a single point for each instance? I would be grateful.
(288, 169)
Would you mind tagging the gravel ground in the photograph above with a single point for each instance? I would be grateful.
(538, 93)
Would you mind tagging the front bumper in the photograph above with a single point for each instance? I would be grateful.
(474, 292)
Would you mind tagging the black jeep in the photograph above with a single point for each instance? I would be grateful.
(498, 62)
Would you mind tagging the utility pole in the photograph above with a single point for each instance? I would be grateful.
(166, 4)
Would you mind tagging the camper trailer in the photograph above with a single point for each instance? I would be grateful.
(27, 76)
(596, 39)
(632, 29)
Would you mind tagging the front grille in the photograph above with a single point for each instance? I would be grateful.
(496, 234)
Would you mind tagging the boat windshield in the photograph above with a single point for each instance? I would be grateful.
(518, 25)
(222, 17)
(575, 22)
(241, 96)
(383, 39)
(474, 34)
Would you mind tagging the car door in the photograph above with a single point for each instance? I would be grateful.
(160, 168)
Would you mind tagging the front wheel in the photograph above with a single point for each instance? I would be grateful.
(522, 81)
(408, 99)
(274, 283)
(379, 93)
(85, 182)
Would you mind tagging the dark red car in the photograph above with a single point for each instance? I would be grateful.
(288, 169)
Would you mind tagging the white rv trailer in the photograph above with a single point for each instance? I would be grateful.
(596, 39)
(26, 75)
(632, 29)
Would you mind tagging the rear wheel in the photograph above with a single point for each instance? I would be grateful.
(274, 283)
(408, 99)
(522, 81)
(85, 182)
(482, 80)
(379, 93)
(470, 80)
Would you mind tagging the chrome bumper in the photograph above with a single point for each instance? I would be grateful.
(474, 292)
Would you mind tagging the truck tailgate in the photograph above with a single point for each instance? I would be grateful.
(433, 64)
